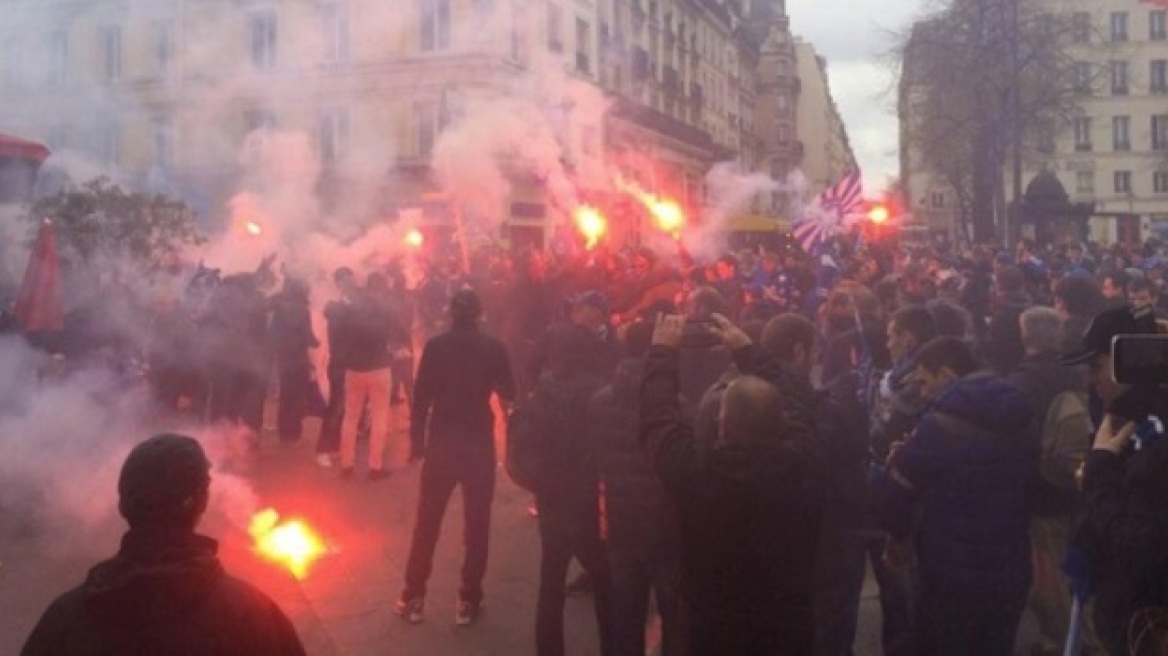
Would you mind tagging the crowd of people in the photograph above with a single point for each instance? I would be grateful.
(741, 440)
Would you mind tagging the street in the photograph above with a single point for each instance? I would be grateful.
(343, 606)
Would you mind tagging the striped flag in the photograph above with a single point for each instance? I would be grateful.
(1158, 3)
(837, 207)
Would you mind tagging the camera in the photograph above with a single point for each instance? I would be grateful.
(1140, 359)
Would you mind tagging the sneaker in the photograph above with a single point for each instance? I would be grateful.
(465, 613)
(410, 609)
(324, 460)
(346, 473)
(375, 475)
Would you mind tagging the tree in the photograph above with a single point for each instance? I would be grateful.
(981, 81)
(101, 225)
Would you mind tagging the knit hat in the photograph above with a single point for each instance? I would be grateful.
(162, 479)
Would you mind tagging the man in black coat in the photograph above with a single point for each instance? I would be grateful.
(166, 591)
(749, 507)
(451, 426)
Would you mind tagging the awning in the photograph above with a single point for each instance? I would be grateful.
(758, 223)
(19, 148)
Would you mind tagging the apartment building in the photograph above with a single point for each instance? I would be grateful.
(1113, 155)
(821, 139)
(166, 93)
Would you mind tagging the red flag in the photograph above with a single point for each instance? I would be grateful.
(1158, 3)
(38, 304)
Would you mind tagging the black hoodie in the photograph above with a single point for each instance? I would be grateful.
(165, 592)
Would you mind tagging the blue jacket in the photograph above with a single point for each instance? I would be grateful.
(971, 471)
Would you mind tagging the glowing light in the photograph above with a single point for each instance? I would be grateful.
(292, 543)
(414, 238)
(254, 228)
(592, 225)
(667, 214)
(878, 214)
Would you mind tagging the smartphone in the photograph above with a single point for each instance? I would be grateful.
(1140, 359)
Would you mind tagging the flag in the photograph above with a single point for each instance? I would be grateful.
(38, 303)
(837, 207)
(1158, 3)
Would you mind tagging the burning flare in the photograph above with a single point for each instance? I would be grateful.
(254, 228)
(291, 543)
(667, 214)
(591, 224)
(414, 238)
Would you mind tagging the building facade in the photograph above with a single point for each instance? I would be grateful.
(172, 95)
(1112, 155)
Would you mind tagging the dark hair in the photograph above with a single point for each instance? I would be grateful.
(638, 338)
(783, 333)
(916, 321)
(164, 481)
(1011, 279)
(1118, 277)
(1141, 285)
(1080, 294)
(950, 319)
(705, 301)
(947, 351)
(753, 411)
(465, 308)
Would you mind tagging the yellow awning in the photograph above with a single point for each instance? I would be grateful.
(758, 223)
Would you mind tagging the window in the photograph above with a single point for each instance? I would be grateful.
(111, 52)
(1081, 76)
(259, 119)
(163, 48)
(1158, 76)
(1081, 27)
(435, 24)
(1158, 25)
(784, 134)
(426, 127)
(1123, 182)
(1119, 26)
(335, 22)
(1119, 78)
(783, 102)
(1085, 183)
(262, 30)
(10, 61)
(333, 135)
(1160, 132)
(1082, 134)
(583, 45)
(555, 40)
(57, 47)
(1121, 133)
(937, 199)
(518, 36)
(1160, 182)
(109, 144)
(162, 138)
(484, 10)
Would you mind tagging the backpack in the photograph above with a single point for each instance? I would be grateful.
(1065, 441)
(545, 431)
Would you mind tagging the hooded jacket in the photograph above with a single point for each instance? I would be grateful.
(971, 471)
(165, 592)
(749, 514)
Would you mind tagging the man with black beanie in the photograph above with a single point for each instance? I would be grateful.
(165, 592)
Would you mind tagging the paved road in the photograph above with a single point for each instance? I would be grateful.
(343, 606)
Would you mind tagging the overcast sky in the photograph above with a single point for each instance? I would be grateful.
(855, 37)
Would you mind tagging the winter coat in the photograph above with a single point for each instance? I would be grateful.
(458, 372)
(638, 515)
(291, 331)
(164, 593)
(749, 513)
(1125, 531)
(971, 468)
(1003, 346)
(571, 497)
(369, 326)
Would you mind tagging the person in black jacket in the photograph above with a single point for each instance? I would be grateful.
(337, 315)
(839, 436)
(641, 532)
(1003, 345)
(166, 591)
(569, 521)
(367, 378)
(451, 426)
(291, 332)
(749, 507)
